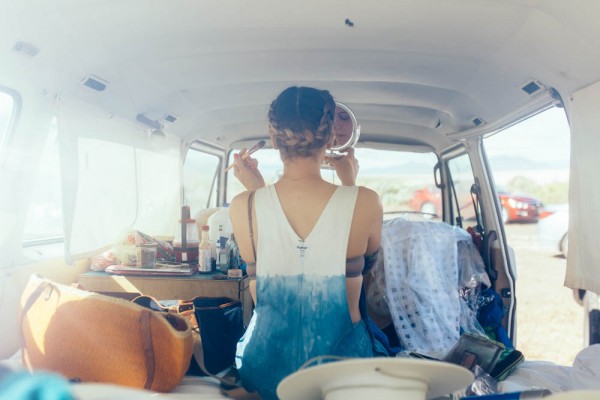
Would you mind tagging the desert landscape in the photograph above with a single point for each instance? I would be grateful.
(549, 321)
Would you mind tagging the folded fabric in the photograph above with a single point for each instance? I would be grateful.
(584, 374)
(34, 386)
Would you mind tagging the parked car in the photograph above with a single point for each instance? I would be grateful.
(553, 229)
(515, 207)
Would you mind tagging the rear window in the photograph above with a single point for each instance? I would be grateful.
(400, 178)
(403, 180)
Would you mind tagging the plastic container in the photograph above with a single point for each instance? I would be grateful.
(220, 226)
(203, 215)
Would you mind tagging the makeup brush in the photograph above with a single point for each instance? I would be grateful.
(253, 149)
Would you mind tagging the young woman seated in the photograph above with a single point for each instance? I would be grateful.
(306, 241)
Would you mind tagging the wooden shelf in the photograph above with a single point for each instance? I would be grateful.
(169, 288)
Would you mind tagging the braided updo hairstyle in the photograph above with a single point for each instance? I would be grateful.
(301, 121)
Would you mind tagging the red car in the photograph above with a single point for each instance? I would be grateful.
(515, 207)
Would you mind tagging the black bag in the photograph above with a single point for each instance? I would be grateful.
(221, 324)
(218, 325)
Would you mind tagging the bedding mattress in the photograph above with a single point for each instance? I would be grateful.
(191, 387)
(583, 375)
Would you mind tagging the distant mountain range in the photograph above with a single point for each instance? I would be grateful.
(510, 163)
(501, 163)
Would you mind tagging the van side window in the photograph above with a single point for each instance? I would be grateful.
(7, 105)
(44, 219)
(200, 179)
(461, 176)
(44, 223)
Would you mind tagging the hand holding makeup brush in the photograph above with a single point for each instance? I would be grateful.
(245, 154)
(245, 169)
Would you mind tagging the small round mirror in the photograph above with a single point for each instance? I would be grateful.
(346, 129)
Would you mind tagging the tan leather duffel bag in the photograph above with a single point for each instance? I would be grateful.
(94, 338)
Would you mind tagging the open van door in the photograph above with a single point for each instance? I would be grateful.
(470, 201)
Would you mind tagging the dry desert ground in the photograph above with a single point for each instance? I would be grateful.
(549, 321)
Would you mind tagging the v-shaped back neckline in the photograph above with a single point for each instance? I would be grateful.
(287, 221)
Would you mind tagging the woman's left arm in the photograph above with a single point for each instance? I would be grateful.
(346, 167)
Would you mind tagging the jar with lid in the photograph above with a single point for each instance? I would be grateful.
(185, 243)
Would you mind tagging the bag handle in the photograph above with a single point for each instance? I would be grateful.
(250, 200)
(146, 328)
(28, 304)
(228, 388)
(185, 309)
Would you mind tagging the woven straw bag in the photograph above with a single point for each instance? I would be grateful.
(94, 338)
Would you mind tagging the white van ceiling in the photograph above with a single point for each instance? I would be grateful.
(412, 71)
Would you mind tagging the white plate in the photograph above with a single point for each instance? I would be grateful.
(376, 378)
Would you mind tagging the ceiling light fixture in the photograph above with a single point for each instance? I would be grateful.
(156, 137)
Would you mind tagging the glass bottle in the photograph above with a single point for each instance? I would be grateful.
(233, 253)
(222, 263)
(235, 261)
(204, 252)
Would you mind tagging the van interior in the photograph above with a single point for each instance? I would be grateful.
(115, 115)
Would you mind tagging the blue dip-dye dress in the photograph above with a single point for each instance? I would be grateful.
(302, 309)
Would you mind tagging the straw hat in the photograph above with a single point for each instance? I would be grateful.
(375, 378)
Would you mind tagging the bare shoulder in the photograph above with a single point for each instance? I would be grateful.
(368, 217)
(238, 208)
(239, 200)
(368, 199)
(238, 212)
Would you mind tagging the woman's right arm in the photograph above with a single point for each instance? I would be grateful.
(246, 171)
(238, 212)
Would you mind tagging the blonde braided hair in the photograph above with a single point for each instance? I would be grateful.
(301, 121)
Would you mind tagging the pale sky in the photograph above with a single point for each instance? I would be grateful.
(543, 137)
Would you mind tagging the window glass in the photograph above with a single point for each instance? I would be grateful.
(6, 109)
(44, 219)
(403, 180)
(461, 174)
(119, 187)
(532, 159)
(200, 179)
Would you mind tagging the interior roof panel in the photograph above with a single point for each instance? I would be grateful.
(405, 62)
